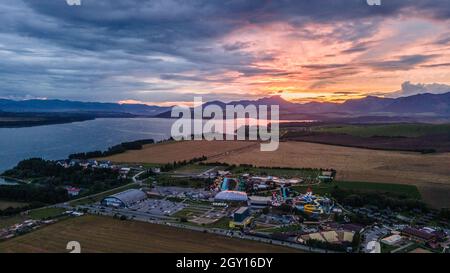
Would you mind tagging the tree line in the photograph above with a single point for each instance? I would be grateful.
(116, 149)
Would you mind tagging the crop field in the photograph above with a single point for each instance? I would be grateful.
(390, 130)
(178, 151)
(102, 234)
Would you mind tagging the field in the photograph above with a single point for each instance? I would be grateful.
(178, 151)
(39, 214)
(391, 130)
(7, 204)
(99, 196)
(399, 189)
(192, 169)
(286, 173)
(102, 234)
(425, 138)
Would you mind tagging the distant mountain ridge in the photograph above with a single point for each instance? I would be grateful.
(78, 106)
(422, 104)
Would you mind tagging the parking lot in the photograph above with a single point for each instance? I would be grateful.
(180, 192)
(157, 207)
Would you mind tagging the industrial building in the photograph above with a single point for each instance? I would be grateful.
(124, 199)
(259, 202)
(241, 218)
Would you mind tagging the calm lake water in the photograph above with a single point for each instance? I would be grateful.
(59, 141)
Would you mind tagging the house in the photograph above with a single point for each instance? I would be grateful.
(124, 171)
(72, 191)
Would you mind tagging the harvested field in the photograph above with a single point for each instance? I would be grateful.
(429, 172)
(103, 234)
(434, 143)
(179, 151)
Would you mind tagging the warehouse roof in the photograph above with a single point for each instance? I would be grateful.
(130, 196)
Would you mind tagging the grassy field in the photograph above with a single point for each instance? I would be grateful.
(169, 181)
(39, 214)
(191, 169)
(287, 173)
(8, 204)
(390, 130)
(399, 189)
(100, 196)
(103, 234)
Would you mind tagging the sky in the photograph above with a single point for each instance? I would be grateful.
(168, 51)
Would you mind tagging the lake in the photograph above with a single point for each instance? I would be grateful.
(60, 140)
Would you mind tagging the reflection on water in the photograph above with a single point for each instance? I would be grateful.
(60, 140)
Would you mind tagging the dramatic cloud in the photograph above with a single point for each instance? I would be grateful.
(170, 50)
(409, 89)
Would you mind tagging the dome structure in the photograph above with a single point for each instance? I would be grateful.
(231, 196)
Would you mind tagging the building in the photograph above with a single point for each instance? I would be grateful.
(124, 171)
(327, 176)
(392, 240)
(231, 196)
(418, 235)
(259, 202)
(331, 236)
(124, 199)
(373, 247)
(72, 191)
(241, 214)
(241, 218)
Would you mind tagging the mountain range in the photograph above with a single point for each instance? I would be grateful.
(49, 106)
(436, 105)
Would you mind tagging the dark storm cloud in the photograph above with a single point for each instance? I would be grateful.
(85, 52)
